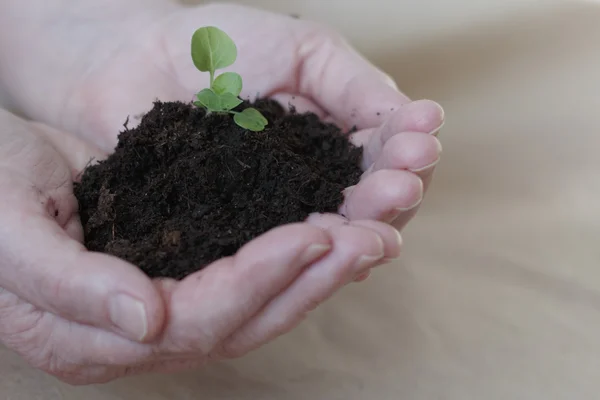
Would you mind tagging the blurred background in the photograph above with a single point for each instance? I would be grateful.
(498, 293)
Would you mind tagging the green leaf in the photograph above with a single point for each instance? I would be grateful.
(251, 119)
(210, 100)
(228, 82)
(217, 103)
(229, 101)
(212, 49)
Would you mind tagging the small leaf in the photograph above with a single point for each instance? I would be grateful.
(212, 49)
(229, 101)
(251, 119)
(228, 82)
(209, 99)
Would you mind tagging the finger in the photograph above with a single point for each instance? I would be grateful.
(419, 116)
(355, 250)
(392, 244)
(208, 306)
(392, 240)
(362, 277)
(343, 82)
(326, 221)
(383, 196)
(47, 268)
(411, 151)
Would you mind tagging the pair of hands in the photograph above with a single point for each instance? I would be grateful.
(91, 318)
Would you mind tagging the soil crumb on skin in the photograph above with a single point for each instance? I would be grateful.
(184, 189)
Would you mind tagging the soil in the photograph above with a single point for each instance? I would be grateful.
(183, 188)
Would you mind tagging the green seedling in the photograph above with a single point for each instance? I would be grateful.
(213, 49)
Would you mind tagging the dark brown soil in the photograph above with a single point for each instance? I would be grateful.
(184, 189)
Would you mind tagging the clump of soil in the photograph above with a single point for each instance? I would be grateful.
(183, 188)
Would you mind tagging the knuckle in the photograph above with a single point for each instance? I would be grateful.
(312, 304)
(247, 341)
(89, 375)
(20, 323)
(28, 333)
(74, 380)
(326, 33)
(43, 355)
(317, 38)
(230, 350)
(237, 346)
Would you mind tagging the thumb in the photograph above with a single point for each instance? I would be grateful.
(44, 266)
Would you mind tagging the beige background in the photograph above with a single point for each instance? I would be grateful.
(498, 294)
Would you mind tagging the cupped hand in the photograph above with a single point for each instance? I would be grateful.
(90, 318)
(131, 54)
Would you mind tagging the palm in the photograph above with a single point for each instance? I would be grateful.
(160, 67)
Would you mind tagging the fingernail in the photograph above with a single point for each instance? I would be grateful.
(411, 207)
(366, 261)
(437, 130)
(425, 168)
(314, 252)
(129, 315)
(416, 203)
(395, 213)
(433, 164)
(439, 146)
(399, 244)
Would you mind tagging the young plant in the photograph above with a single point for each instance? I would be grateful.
(213, 49)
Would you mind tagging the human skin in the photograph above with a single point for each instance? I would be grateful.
(79, 68)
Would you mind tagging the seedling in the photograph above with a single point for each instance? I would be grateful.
(213, 49)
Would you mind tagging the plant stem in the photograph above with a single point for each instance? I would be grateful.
(212, 78)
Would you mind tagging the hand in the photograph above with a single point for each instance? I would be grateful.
(90, 318)
(130, 54)
(62, 321)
